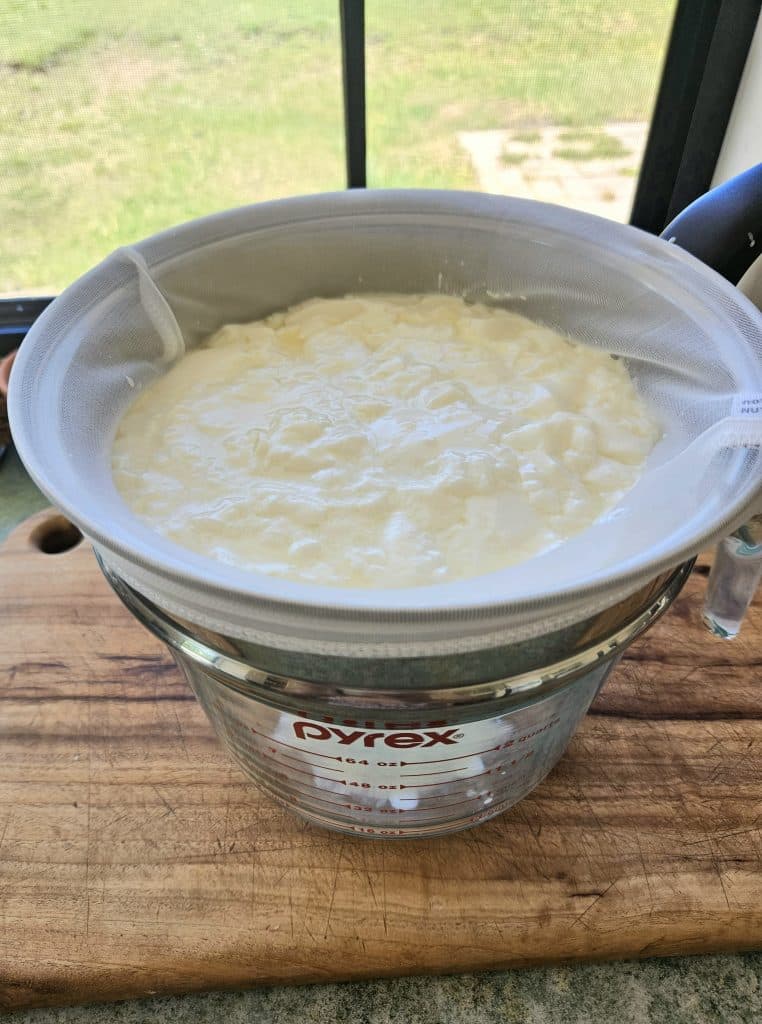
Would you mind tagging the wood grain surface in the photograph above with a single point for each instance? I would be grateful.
(135, 858)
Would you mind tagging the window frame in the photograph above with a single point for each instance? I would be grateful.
(16, 317)
(706, 53)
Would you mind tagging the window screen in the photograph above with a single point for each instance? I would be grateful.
(549, 101)
(124, 117)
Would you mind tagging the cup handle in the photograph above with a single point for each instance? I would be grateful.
(733, 579)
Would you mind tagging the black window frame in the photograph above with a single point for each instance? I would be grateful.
(16, 317)
(706, 54)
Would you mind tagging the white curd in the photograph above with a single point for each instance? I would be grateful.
(382, 441)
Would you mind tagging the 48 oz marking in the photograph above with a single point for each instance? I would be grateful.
(370, 831)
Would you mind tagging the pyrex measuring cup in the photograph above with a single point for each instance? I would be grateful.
(393, 760)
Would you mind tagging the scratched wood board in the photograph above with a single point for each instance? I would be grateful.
(135, 858)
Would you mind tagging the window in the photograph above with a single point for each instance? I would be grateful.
(548, 101)
(123, 118)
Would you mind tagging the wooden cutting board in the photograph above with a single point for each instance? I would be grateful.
(136, 859)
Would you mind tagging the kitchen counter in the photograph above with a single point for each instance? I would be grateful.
(685, 990)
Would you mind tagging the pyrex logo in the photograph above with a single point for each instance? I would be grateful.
(361, 737)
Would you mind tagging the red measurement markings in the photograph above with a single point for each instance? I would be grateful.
(320, 800)
(449, 782)
(301, 771)
(293, 785)
(299, 760)
(459, 803)
(313, 753)
(298, 797)
(331, 803)
(440, 760)
(437, 809)
(376, 830)
(446, 796)
(517, 760)
(446, 771)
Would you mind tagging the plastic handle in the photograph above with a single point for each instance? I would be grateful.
(724, 227)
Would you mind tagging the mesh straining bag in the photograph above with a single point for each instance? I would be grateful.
(692, 343)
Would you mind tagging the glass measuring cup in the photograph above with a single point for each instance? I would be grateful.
(423, 760)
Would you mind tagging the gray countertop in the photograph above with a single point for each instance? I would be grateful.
(684, 990)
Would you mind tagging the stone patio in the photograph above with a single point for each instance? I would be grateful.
(593, 169)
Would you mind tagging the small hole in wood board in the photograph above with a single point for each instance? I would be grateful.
(55, 536)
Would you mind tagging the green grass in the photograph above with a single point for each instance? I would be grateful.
(123, 118)
(587, 135)
(590, 145)
(511, 158)
(526, 137)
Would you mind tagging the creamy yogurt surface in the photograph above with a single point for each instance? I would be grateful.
(382, 441)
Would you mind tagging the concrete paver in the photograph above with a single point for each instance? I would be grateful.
(507, 164)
